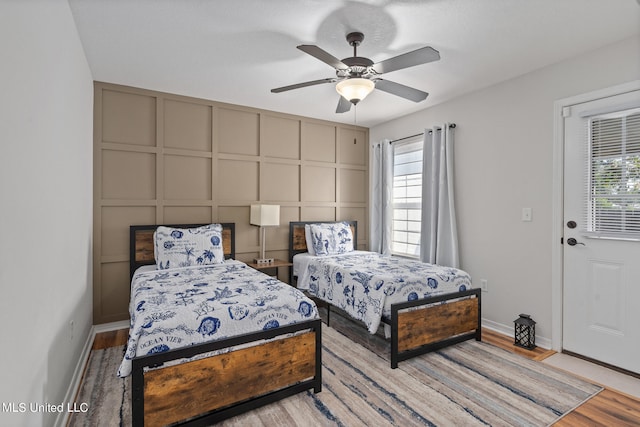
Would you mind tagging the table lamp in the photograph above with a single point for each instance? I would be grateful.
(264, 216)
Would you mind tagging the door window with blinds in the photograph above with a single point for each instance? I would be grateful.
(613, 206)
(407, 197)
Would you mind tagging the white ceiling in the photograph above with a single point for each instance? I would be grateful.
(235, 51)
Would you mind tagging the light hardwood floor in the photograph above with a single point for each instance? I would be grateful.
(608, 408)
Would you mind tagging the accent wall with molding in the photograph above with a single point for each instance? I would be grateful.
(169, 159)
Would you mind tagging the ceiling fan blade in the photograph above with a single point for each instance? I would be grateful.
(403, 91)
(343, 105)
(323, 56)
(406, 60)
(305, 84)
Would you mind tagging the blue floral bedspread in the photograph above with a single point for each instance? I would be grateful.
(366, 284)
(185, 306)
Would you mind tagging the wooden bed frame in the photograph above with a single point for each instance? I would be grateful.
(413, 331)
(209, 389)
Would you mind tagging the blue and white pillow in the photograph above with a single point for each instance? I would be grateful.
(308, 240)
(331, 238)
(185, 247)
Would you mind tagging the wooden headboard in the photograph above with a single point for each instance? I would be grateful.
(141, 243)
(298, 243)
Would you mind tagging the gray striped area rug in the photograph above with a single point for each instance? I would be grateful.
(469, 384)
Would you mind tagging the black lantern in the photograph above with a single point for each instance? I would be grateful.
(525, 332)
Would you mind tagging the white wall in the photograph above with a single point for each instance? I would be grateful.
(503, 161)
(46, 104)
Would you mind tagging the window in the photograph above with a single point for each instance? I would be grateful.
(614, 175)
(407, 197)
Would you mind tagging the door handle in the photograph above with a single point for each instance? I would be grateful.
(572, 242)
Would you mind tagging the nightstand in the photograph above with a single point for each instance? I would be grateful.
(275, 265)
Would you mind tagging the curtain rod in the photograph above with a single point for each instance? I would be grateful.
(452, 125)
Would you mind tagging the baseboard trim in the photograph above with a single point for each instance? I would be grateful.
(112, 326)
(508, 330)
(69, 397)
(63, 417)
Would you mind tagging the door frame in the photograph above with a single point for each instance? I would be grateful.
(557, 260)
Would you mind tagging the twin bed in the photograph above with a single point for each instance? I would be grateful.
(425, 307)
(211, 338)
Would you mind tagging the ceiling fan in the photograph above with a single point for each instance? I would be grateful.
(358, 76)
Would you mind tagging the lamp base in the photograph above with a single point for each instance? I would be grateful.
(263, 261)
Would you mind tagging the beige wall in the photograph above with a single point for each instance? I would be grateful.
(162, 158)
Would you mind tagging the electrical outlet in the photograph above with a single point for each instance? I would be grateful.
(484, 286)
(71, 324)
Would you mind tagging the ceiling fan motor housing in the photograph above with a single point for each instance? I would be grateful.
(358, 66)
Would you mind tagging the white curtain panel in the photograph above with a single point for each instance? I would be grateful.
(439, 235)
(381, 187)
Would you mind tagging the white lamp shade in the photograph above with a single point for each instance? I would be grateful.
(355, 89)
(265, 215)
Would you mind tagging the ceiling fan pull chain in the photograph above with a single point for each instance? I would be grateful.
(355, 120)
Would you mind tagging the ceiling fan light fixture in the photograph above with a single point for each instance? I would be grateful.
(355, 89)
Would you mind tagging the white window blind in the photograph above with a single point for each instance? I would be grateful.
(407, 197)
(613, 207)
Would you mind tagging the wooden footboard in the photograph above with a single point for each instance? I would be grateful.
(211, 389)
(425, 325)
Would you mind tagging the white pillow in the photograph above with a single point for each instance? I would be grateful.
(331, 238)
(184, 247)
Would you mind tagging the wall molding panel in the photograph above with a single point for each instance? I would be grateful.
(164, 158)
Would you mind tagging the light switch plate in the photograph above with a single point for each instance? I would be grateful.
(527, 214)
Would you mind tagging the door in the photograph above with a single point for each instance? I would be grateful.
(601, 249)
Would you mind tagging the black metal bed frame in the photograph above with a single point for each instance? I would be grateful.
(156, 360)
(397, 357)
